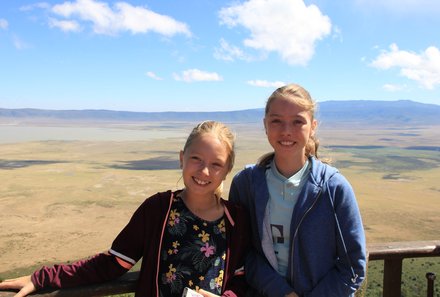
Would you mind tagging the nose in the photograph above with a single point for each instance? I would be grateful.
(204, 169)
(285, 129)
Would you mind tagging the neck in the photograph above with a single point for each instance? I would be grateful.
(289, 166)
(206, 207)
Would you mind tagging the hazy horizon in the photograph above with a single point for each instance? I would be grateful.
(209, 111)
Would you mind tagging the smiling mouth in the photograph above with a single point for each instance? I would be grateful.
(200, 182)
(286, 143)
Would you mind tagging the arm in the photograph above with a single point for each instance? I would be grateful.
(263, 277)
(237, 286)
(340, 280)
(100, 268)
(238, 236)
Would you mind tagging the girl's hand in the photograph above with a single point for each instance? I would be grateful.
(206, 294)
(23, 284)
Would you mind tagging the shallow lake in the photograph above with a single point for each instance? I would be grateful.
(14, 134)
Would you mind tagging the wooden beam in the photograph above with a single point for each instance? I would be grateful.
(392, 253)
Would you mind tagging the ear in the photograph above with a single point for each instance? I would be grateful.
(181, 159)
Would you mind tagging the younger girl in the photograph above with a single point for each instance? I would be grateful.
(187, 238)
(307, 232)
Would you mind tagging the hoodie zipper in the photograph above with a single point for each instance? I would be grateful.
(297, 229)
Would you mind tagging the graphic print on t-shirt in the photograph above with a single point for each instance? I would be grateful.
(277, 233)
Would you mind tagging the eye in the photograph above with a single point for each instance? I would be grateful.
(195, 158)
(218, 165)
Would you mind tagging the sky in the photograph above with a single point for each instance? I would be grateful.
(214, 55)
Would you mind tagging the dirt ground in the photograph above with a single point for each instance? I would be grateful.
(66, 200)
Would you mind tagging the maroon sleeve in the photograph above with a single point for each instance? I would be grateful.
(130, 243)
(99, 268)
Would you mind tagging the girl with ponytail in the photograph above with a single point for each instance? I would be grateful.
(307, 233)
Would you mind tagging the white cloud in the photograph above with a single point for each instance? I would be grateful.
(153, 75)
(40, 5)
(19, 43)
(287, 27)
(4, 24)
(66, 26)
(423, 68)
(394, 87)
(266, 84)
(228, 52)
(193, 75)
(337, 34)
(120, 18)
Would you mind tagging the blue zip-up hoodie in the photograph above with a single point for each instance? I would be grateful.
(327, 252)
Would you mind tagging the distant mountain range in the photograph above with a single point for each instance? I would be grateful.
(366, 112)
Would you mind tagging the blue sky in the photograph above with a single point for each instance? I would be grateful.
(213, 55)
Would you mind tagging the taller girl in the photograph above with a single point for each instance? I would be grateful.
(308, 236)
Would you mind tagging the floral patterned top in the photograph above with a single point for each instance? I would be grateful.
(193, 253)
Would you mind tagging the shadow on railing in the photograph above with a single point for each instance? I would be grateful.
(391, 253)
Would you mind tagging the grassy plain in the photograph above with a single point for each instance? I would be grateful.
(62, 200)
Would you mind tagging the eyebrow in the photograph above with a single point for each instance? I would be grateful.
(293, 116)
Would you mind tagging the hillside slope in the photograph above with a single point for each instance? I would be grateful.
(403, 112)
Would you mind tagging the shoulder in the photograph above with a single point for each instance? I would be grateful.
(323, 172)
(234, 207)
(158, 200)
(248, 172)
(239, 214)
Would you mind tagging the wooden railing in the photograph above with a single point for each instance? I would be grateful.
(391, 253)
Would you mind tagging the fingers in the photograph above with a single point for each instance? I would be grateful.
(23, 284)
(26, 290)
(206, 294)
(8, 284)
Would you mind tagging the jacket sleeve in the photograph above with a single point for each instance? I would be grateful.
(350, 268)
(260, 275)
(99, 268)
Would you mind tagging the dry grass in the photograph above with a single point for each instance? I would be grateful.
(64, 200)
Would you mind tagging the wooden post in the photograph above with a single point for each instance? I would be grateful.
(430, 277)
(392, 277)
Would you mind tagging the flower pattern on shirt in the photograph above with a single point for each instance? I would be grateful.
(208, 250)
(204, 236)
(193, 252)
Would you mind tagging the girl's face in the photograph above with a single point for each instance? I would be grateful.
(288, 128)
(204, 165)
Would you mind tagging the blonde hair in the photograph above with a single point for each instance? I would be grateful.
(223, 133)
(301, 97)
